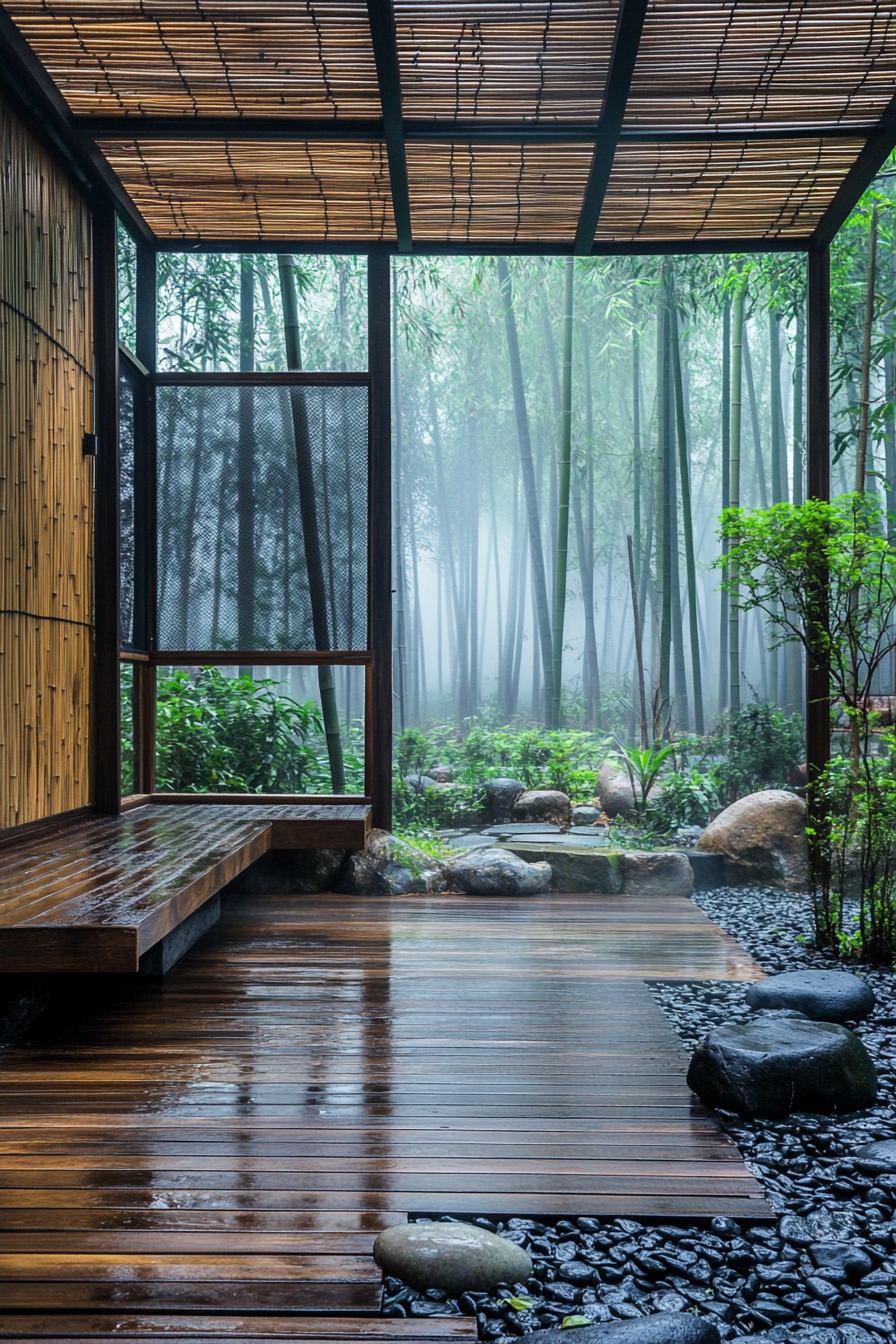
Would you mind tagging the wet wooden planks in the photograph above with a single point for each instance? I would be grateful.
(95, 896)
(230, 1139)
(209, 1329)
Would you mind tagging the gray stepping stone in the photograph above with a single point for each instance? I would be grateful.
(773, 1066)
(455, 1256)
(663, 1328)
(825, 996)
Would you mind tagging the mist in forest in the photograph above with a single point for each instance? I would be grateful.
(566, 434)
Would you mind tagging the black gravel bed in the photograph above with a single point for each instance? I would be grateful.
(824, 1274)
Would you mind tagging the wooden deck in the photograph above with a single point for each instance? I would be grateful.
(225, 1143)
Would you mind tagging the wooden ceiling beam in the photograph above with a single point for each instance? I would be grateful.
(493, 247)
(381, 17)
(619, 78)
(479, 131)
(877, 149)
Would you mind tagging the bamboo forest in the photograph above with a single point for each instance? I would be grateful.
(567, 434)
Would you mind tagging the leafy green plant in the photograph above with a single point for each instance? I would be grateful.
(759, 747)
(643, 768)
(233, 735)
(689, 798)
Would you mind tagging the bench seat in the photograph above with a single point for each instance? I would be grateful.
(98, 896)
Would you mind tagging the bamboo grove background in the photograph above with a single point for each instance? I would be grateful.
(45, 484)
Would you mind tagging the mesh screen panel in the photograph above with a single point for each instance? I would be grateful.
(126, 449)
(262, 517)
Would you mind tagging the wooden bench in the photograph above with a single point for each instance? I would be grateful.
(132, 893)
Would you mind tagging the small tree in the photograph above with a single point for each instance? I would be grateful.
(824, 575)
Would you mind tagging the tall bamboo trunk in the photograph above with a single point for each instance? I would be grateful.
(310, 532)
(457, 631)
(553, 454)
(758, 455)
(724, 671)
(539, 587)
(400, 647)
(734, 488)
(586, 563)
(563, 473)
(508, 647)
(663, 519)
(794, 654)
(688, 528)
(245, 490)
(473, 603)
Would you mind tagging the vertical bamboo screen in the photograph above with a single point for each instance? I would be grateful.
(46, 484)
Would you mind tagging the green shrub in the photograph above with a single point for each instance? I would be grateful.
(689, 798)
(760, 748)
(233, 735)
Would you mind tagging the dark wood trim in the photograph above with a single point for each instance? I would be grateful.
(264, 799)
(381, 18)
(146, 306)
(368, 729)
(261, 658)
(379, 779)
(106, 707)
(133, 656)
(818, 486)
(629, 26)
(261, 379)
(11, 836)
(478, 131)
(135, 800)
(878, 148)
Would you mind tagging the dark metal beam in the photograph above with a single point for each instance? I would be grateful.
(495, 247)
(379, 697)
(878, 148)
(22, 73)
(385, 53)
(478, 131)
(619, 78)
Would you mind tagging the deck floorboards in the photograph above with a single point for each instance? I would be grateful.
(226, 1142)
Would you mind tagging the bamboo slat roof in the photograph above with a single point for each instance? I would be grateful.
(489, 124)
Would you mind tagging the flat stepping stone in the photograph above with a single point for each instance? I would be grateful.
(773, 1066)
(824, 996)
(665, 1327)
(457, 1257)
(524, 828)
(874, 1159)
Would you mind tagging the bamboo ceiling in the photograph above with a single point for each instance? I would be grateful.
(511, 124)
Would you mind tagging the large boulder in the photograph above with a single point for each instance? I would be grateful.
(456, 1257)
(497, 872)
(762, 839)
(665, 1327)
(824, 996)
(440, 773)
(661, 873)
(772, 1066)
(615, 791)
(500, 796)
(420, 782)
(543, 805)
(388, 866)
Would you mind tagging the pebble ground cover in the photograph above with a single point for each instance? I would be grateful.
(825, 1274)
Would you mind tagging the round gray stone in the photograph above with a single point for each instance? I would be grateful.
(497, 872)
(772, 1066)
(825, 996)
(501, 794)
(666, 1327)
(874, 1159)
(585, 815)
(455, 1256)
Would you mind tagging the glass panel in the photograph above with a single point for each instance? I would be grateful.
(254, 553)
(126, 449)
(203, 306)
(128, 683)
(255, 730)
(127, 288)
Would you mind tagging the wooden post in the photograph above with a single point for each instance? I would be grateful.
(105, 703)
(818, 486)
(380, 705)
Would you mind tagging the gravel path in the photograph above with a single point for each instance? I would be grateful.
(825, 1275)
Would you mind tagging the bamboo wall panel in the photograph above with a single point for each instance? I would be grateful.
(308, 58)
(538, 62)
(46, 484)
(464, 193)
(734, 189)
(742, 63)
(321, 191)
